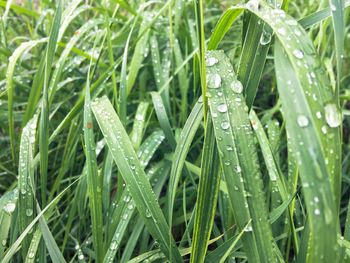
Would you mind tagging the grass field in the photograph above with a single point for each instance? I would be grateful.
(175, 131)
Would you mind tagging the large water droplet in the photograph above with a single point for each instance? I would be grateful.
(237, 86)
(210, 61)
(332, 115)
(29, 212)
(265, 38)
(303, 121)
(214, 81)
(222, 108)
(9, 207)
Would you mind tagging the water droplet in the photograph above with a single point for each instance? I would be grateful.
(214, 81)
(225, 125)
(31, 254)
(9, 207)
(317, 211)
(237, 86)
(318, 115)
(114, 245)
(332, 115)
(248, 228)
(148, 213)
(303, 121)
(333, 8)
(298, 53)
(265, 38)
(282, 31)
(210, 61)
(324, 129)
(222, 108)
(29, 212)
(3, 242)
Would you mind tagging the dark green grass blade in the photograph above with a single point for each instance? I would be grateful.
(134, 176)
(207, 195)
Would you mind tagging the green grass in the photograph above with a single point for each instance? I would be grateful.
(177, 131)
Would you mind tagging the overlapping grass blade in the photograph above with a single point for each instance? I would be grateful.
(134, 176)
(26, 180)
(44, 114)
(303, 127)
(94, 180)
(207, 197)
(238, 156)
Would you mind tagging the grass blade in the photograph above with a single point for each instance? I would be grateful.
(207, 197)
(238, 155)
(134, 176)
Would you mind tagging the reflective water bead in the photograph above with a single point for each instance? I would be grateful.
(302, 121)
(210, 61)
(225, 125)
(332, 115)
(214, 81)
(222, 108)
(298, 53)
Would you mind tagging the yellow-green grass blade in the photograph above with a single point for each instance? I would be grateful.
(129, 166)
(238, 154)
(207, 196)
(303, 129)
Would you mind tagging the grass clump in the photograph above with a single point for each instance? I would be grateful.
(201, 131)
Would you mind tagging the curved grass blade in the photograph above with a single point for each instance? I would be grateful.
(24, 47)
(134, 176)
(238, 156)
(302, 127)
(207, 196)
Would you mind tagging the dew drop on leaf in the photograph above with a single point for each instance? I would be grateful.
(332, 115)
(303, 121)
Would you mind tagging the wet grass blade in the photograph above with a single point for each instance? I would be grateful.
(302, 127)
(26, 180)
(238, 154)
(134, 176)
(94, 178)
(44, 114)
(207, 196)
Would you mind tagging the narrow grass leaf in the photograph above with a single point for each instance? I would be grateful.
(134, 176)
